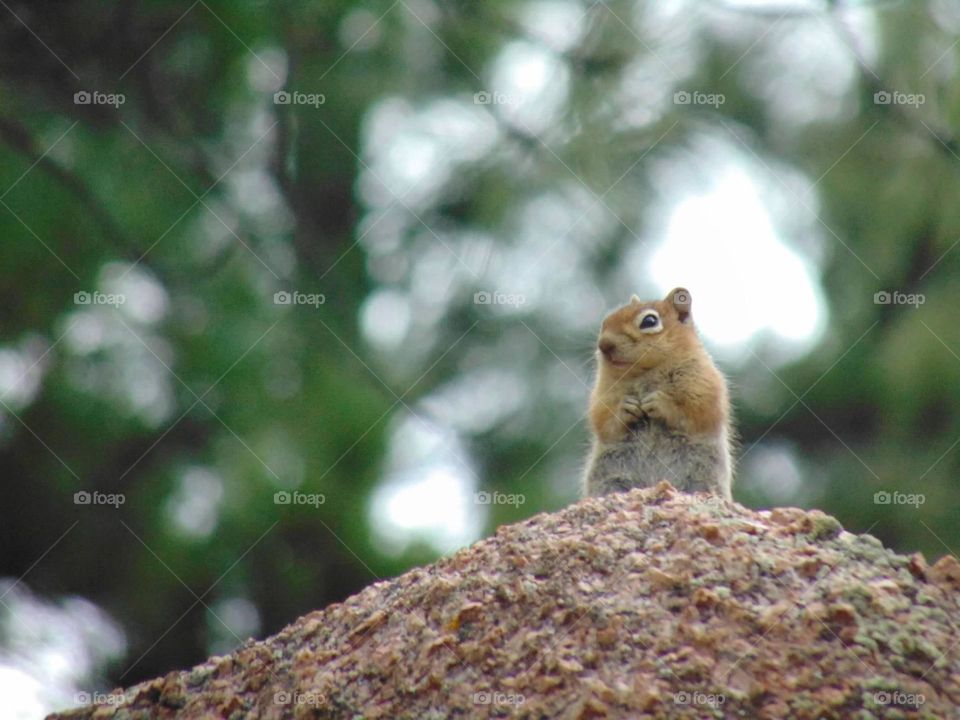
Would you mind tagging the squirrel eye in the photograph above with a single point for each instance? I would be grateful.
(649, 321)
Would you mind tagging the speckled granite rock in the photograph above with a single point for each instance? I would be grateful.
(648, 604)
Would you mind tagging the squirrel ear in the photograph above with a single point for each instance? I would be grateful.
(635, 300)
(680, 297)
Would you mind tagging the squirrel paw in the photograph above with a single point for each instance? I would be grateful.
(631, 410)
(655, 405)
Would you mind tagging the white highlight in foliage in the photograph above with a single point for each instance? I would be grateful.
(267, 69)
(230, 621)
(723, 246)
(530, 84)
(145, 299)
(428, 492)
(412, 153)
(195, 506)
(558, 23)
(385, 318)
(51, 650)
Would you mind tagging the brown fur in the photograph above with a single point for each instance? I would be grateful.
(666, 383)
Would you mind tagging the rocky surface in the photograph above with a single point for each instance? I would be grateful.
(647, 604)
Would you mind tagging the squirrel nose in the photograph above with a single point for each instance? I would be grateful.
(606, 346)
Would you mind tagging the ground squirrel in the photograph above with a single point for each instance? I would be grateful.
(659, 409)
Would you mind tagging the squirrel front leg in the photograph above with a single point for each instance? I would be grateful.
(611, 418)
(660, 406)
(695, 404)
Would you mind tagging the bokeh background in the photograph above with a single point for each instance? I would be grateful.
(298, 295)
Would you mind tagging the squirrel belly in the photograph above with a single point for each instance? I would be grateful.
(651, 452)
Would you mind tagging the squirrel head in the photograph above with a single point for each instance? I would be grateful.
(644, 334)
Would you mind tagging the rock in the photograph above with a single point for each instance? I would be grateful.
(646, 604)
